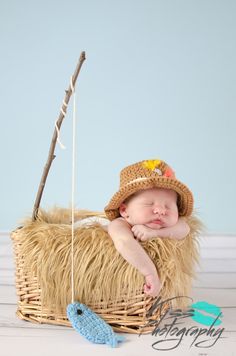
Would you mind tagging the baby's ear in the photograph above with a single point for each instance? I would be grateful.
(122, 210)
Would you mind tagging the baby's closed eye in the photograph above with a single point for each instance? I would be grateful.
(150, 203)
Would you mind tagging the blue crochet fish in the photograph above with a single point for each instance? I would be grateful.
(91, 326)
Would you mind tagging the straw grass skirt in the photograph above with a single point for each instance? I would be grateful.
(103, 279)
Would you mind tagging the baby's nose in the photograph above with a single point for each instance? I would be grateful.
(159, 210)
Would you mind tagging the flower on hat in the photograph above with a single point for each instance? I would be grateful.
(152, 164)
(169, 173)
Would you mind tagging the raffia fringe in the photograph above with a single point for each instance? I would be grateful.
(103, 279)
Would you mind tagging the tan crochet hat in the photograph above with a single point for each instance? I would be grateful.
(149, 174)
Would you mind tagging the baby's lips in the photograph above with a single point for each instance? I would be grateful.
(156, 222)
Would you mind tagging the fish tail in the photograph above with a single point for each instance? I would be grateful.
(120, 338)
(113, 341)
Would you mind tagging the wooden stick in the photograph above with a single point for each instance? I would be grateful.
(51, 155)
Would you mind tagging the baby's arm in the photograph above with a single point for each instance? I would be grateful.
(132, 252)
(177, 232)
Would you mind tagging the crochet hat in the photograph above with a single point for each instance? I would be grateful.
(145, 175)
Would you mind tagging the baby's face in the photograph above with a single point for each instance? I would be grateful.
(154, 208)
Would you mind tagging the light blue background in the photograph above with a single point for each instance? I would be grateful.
(159, 81)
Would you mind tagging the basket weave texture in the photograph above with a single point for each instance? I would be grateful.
(103, 280)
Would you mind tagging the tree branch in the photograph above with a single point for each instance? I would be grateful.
(51, 155)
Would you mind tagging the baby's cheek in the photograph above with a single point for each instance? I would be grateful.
(175, 218)
(141, 218)
(146, 214)
(172, 216)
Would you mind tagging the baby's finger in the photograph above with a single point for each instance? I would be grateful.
(136, 234)
(149, 292)
(142, 237)
(146, 288)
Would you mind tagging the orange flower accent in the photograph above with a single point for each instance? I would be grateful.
(169, 173)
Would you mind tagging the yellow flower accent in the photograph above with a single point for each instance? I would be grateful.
(152, 164)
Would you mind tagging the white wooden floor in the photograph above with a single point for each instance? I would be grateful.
(216, 284)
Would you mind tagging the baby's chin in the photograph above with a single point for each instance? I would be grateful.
(154, 226)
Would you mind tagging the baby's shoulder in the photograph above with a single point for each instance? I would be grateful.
(119, 222)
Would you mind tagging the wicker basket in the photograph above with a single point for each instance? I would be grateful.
(128, 312)
(122, 316)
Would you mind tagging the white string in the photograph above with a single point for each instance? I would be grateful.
(72, 85)
(57, 128)
(58, 137)
(62, 110)
(64, 113)
(73, 194)
(73, 179)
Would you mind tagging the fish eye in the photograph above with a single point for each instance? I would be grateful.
(79, 311)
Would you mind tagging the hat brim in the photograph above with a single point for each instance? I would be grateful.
(185, 197)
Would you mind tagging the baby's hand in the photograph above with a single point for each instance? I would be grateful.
(152, 285)
(142, 232)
